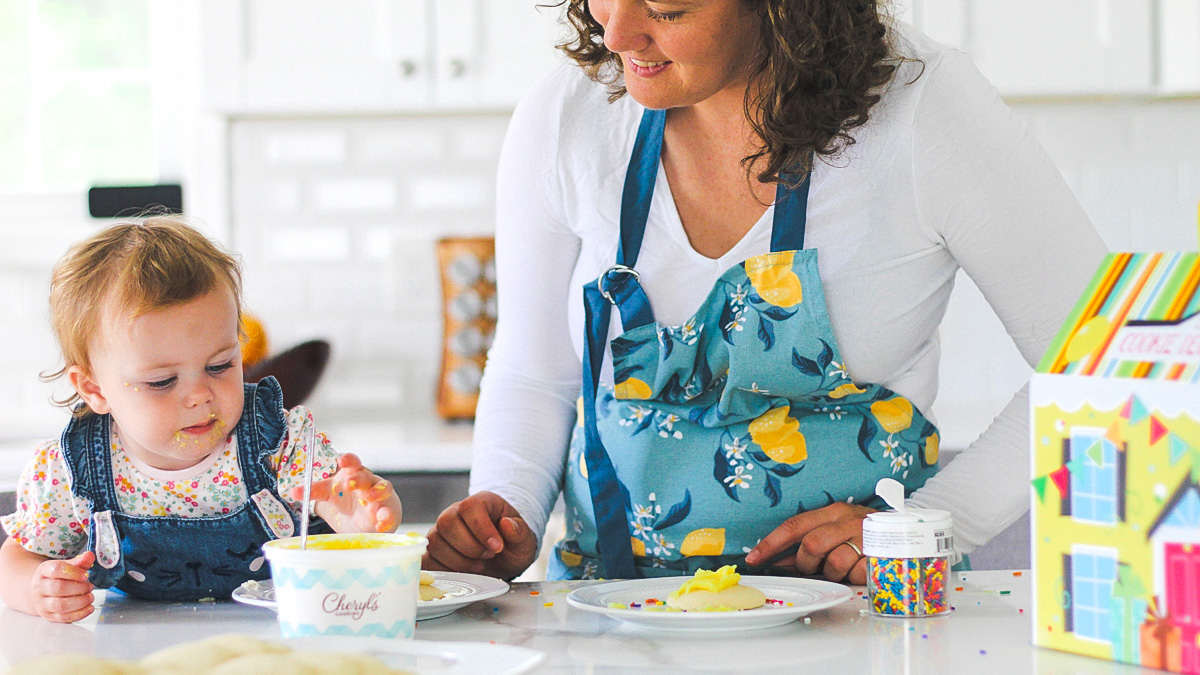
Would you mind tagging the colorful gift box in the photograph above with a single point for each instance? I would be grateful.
(1115, 505)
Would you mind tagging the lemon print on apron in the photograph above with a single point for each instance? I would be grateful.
(779, 436)
(773, 279)
(704, 541)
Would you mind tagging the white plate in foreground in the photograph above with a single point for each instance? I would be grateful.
(432, 658)
(461, 590)
(805, 595)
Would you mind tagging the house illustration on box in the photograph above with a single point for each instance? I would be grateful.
(1115, 524)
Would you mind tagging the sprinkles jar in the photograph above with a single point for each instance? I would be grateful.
(908, 561)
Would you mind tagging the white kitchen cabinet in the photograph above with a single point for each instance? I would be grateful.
(1179, 44)
(1058, 47)
(280, 56)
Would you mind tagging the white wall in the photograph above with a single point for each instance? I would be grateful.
(337, 219)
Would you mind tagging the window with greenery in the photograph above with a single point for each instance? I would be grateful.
(76, 94)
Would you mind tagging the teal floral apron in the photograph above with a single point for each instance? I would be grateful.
(718, 430)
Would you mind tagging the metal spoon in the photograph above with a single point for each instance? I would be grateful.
(309, 451)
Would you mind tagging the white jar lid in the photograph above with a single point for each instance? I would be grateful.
(915, 533)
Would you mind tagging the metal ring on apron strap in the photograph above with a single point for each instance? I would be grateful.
(614, 268)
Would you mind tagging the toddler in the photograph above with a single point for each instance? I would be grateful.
(172, 473)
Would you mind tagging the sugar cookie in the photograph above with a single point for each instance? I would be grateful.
(718, 591)
(428, 590)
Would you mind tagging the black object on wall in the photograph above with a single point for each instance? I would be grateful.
(125, 201)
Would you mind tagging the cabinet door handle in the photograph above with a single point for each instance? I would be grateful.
(408, 68)
(458, 68)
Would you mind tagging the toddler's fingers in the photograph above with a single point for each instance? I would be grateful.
(381, 491)
(321, 490)
(64, 570)
(385, 520)
(53, 609)
(349, 460)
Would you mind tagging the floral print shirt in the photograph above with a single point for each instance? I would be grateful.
(51, 521)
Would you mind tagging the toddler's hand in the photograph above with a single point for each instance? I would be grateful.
(61, 590)
(355, 499)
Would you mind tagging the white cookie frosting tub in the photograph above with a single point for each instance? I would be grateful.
(347, 584)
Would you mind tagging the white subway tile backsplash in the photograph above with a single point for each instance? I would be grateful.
(307, 146)
(365, 392)
(1166, 130)
(326, 243)
(354, 194)
(362, 290)
(450, 193)
(480, 142)
(400, 146)
(375, 243)
(282, 196)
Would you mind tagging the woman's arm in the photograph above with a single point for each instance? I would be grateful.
(987, 188)
(527, 401)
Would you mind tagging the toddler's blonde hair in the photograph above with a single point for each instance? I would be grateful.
(136, 266)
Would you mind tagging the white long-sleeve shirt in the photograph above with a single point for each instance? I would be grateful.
(943, 176)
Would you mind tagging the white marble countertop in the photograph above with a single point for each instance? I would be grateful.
(986, 633)
(392, 446)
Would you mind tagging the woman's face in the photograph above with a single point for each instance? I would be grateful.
(679, 53)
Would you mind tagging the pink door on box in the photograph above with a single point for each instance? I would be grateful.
(1183, 599)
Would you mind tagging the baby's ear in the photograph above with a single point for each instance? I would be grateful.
(89, 389)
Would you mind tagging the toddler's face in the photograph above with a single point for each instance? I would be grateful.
(172, 379)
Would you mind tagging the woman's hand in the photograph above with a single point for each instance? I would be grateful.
(61, 590)
(830, 542)
(482, 534)
(354, 499)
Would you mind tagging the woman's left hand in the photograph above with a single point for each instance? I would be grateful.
(829, 539)
(354, 499)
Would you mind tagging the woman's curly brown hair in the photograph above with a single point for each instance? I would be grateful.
(821, 69)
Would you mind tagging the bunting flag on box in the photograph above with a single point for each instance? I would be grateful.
(1113, 434)
(1134, 411)
(1061, 478)
(1157, 429)
(1096, 454)
(1039, 486)
(1178, 448)
(1076, 465)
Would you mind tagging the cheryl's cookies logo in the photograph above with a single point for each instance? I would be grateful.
(338, 604)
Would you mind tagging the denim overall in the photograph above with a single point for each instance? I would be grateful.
(184, 559)
(718, 430)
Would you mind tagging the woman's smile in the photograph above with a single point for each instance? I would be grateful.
(646, 68)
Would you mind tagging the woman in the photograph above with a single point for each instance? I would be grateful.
(752, 134)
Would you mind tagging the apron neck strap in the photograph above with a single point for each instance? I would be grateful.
(791, 203)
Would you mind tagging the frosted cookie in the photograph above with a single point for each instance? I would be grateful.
(201, 655)
(717, 591)
(428, 590)
(73, 664)
(219, 655)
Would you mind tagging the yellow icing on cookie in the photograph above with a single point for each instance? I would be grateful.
(706, 580)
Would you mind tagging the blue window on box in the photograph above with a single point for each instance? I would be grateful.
(1091, 577)
(1094, 485)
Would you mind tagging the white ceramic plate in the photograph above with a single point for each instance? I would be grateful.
(433, 658)
(799, 597)
(461, 590)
